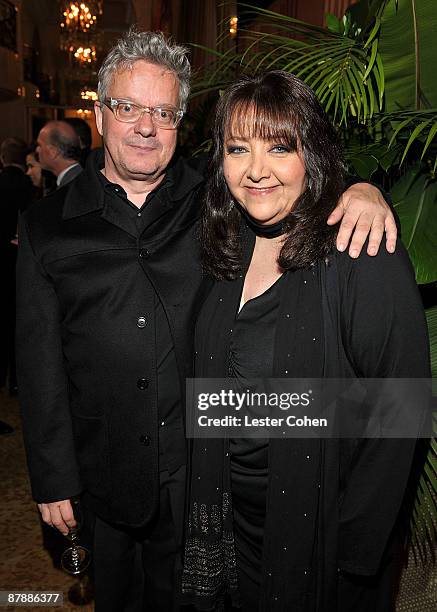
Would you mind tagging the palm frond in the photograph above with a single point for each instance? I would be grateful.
(423, 523)
(344, 71)
(412, 127)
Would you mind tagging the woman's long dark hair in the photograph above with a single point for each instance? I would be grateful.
(278, 107)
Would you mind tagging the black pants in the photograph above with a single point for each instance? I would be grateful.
(139, 570)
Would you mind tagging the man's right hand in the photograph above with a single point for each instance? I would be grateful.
(58, 514)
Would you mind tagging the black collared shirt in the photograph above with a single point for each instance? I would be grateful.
(139, 217)
(172, 450)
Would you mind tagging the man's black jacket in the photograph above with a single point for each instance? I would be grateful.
(86, 361)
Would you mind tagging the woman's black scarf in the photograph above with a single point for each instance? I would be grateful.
(274, 230)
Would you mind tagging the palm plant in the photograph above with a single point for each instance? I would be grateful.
(373, 71)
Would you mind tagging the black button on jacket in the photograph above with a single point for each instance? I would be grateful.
(84, 284)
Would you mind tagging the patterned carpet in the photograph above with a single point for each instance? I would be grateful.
(29, 554)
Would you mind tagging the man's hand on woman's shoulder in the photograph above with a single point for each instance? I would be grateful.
(363, 213)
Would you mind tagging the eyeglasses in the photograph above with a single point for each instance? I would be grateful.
(126, 111)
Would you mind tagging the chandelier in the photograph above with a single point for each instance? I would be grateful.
(78, 17)
(79, 34)
(84, 54)
(88, 94)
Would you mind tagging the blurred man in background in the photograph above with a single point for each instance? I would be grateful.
(59, 151)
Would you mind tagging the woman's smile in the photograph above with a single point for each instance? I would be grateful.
(259, 191)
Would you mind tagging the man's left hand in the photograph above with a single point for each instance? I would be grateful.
(363, 212)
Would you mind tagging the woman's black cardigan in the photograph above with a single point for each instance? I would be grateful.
(332, 504)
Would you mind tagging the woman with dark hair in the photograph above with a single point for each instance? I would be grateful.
(297, 525)
(34, 171)
(44, 182)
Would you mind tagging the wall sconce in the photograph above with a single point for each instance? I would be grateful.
(233, 26)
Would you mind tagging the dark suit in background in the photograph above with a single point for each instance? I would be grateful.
(70, 175)
(15, 196)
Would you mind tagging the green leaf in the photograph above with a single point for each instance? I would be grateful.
(371, 100)
(364, 165)
(333, 23)
(430, 473)
(400, 48)
(415, 200)
(372, 59)
(209, 50)
(417, 130)
(399, 127)
(373, 32)
(380, 79)
(422, 491)
(359, 79)
(431, 319)
(431, 135)
(317, 60)
(389, 158)
(411, 125)
(357, 93)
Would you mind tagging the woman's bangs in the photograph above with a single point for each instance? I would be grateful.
(249, 119)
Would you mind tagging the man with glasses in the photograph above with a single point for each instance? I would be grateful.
(109, 282)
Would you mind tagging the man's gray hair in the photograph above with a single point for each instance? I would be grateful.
(151, 47)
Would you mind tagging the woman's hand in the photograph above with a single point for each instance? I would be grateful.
(363, 212)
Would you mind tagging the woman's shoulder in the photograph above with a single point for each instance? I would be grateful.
(390, 268)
